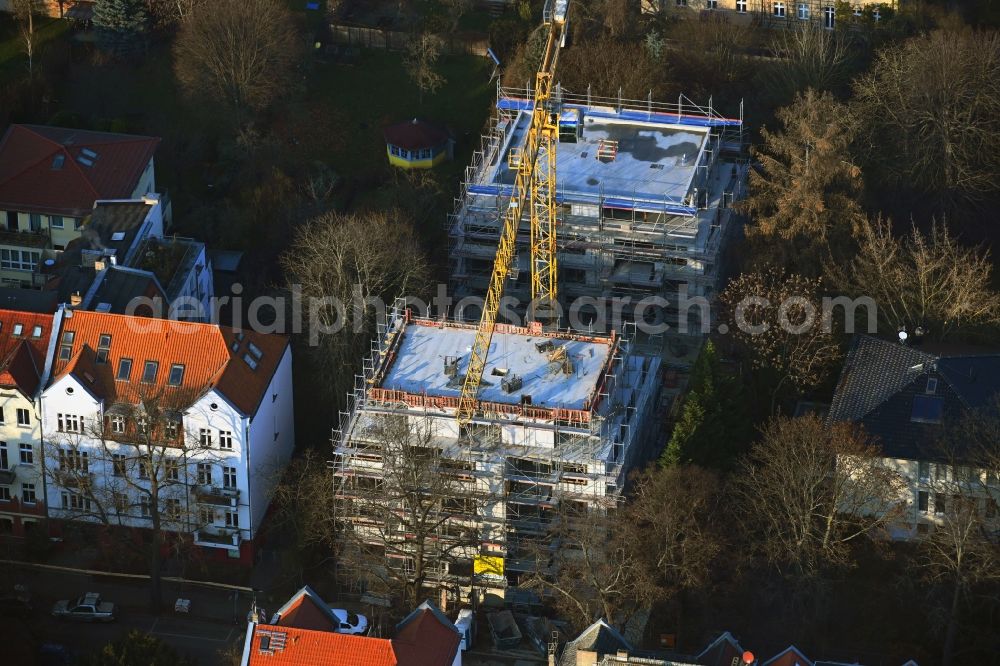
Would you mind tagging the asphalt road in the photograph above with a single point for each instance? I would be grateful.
(209, 627)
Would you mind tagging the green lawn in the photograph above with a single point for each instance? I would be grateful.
(377, 92)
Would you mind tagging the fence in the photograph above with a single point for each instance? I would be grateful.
(395, 40)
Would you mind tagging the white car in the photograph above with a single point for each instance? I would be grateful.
(350, 623)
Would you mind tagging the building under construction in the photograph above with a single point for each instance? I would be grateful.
(644, 191)
(564, 417)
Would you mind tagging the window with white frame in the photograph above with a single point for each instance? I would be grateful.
(118, 464)
(876, 14)
(226, 439)
(120, 501)
(741, 6)
(232, 519)
(4, 493)
(829, 16)
(856, 10)
(69, 423)
(205, 474)
(117, 423)
(779, 9)
(205, 437)
(144, 468)
(711, 4)
(922, 501)
(144, 510)
(229, 477)
(3, 419)
(75, 502)
(172, 469)
(74, 460)
(28, 493)
(4, 460)
(206, 516)
(27, 454)
(804, 11)
(172, 508)
(23, 417)
(19, 260)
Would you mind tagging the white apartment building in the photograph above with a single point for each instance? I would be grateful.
(225, 435)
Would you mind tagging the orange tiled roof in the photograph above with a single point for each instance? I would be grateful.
(22, 356)
(290, 646)
(213, 357)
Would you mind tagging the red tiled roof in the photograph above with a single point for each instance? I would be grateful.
(307, 611)
(306, 647)
(22, 356)
(415, 134)
(28, 181)
(423, 640)
(212, 357)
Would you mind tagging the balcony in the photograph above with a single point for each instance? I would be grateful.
(33, 239)
(7, 477)
(215, 496)
(218, 537)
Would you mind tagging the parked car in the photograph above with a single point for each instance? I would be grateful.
(88, 608)
(350, 623)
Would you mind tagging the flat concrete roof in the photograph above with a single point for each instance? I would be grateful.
(655, 162)
(419, 363)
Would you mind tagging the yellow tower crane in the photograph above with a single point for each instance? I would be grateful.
(534, 186)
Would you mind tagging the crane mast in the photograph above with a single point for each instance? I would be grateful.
(535, 187)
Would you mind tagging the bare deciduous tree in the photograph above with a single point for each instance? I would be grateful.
(675, 525)
(922, 280)
(807, 188)
(456, 9)
(421, 58)
(594, 571)
(24, 13)
(809, 489)
(962, 552)
(812, 57)
(408, 523)
(303, 499)
(347, 262)
(136, 465)
(930, 112)
(779, 320)
(241, 53)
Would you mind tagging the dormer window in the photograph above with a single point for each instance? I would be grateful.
(149, 372)
(176, 375)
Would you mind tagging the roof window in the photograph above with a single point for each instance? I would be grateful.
(103, 347)
(931, 386)
(18, 329)
(118, 236)
(251, 361)
(58, 161)
(255, 350)
(36, 332)
(149, 372)
(176, 374)
(124, 369)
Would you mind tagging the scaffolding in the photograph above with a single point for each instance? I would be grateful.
(612, 241)
(530, 462)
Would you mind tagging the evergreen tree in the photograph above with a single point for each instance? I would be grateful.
(713, 425)
(120, 24)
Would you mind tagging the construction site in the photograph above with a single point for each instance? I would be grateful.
(531, 426)
(564, 419)
(644, 192)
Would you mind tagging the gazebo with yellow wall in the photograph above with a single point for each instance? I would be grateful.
(417, 144)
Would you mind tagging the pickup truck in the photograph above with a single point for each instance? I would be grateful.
(88, 608)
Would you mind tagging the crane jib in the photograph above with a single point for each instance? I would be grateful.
(534, 189)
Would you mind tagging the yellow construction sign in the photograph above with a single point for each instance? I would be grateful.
(488, 565)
